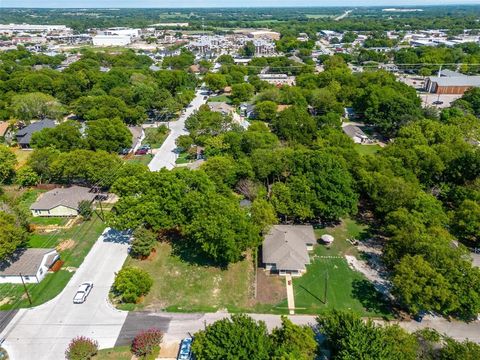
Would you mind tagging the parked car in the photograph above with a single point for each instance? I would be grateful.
(185, 352)
(419, 316)
(438, 102)
(124, 151)
(82, 292)
(141, 151)
(205, 98)
(145, 146)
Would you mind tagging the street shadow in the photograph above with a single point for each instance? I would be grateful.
(116, 236)
(369, 297)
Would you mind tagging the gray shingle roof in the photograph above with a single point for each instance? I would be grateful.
(353, 130)
(286, 246)
(24, 136)
(69, 197)
(27, 261)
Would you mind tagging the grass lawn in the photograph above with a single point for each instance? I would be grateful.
(22, 156)
(27, 198)
(183, 158)
(185, 286)
(220, 98)
(156, 136)
(43, 221)
(367, 149)
(142, 159)
(116, 353)
(77, 243)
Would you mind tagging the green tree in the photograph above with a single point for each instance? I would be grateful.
(8, 161)
(240, 338)
(265, 110)
(108, 135)
(292, 341)
(64, 137)
(81, 348)
(466, 222)
(12, 234)
(248, 49)
(131, 283)
(454, 350)
(36, 105)
(295, 125)
(143, 242)
(26, 176)
(263, 214)
(242, 92)
(215, 81)
(85, 209)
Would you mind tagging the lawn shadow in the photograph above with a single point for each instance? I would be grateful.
(312, 294)
(369, 297)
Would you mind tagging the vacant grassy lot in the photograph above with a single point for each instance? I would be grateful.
(220, 98)
(183, 158)
(22, 156)
(185, 286)
(156, 136)
(73, 245)
(367, 149)
(142, 159)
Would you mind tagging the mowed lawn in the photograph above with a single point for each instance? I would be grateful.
(346, 289)
(367, 149)
(184, 286)
(116, 353)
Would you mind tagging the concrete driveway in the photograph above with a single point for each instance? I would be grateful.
(44, 332)
(166, 156)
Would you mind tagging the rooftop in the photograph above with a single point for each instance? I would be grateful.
(25, 135)
(456, 80)
(69, 197)
(27, 261)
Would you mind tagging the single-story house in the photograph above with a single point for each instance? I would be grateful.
(356, 134)
(285, 249)
(3, 129)
(24, 136)
(62, 201)
(247, 110)
(221, 107)
(30, 264)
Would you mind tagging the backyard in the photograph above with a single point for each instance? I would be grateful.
(185, 285)
(73, 244)
(367, 149)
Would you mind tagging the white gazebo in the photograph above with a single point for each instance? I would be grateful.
(327, 239)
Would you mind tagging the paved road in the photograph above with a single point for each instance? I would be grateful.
(165, 156)
(44, 332)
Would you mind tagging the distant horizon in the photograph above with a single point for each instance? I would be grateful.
(218, 4)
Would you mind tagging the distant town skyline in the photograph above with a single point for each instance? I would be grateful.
(221, 3)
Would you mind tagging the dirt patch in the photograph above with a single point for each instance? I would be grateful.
(152, 256)
(5, 301)
(65, 245)
(168, 350)
(270, 288)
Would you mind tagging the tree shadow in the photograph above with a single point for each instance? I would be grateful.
(369, 297)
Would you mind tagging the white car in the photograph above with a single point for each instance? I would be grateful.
(82, 292)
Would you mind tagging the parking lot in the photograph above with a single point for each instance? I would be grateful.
(438, 100)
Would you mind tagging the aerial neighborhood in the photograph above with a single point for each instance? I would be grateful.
(240, 183)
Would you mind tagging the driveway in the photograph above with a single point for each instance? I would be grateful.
(166, 156)
(44, 332)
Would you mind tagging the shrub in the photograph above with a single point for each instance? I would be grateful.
(143, 242)
(147, 342)
(131, 283)
(85, 209)
(26, 176)
(81, 348)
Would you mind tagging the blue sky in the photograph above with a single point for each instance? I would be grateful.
(219, 3)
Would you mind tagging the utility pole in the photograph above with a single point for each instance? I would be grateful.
(26, 290)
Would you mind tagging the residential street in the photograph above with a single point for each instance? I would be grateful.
(166, 156)
(44, 332)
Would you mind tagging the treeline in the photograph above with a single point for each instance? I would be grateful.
(99, 85)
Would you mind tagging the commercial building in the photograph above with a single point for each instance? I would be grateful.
(111, 40)
(451, 84)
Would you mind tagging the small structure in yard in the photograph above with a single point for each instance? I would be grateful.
(285, 249)
(356, 134)
(62, 201)
(327, 239)
(24, 136)
(31, 265)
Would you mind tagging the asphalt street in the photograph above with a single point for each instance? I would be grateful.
(166, 155)
(43, 332)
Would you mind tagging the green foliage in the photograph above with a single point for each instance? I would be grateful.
(64, 137)
(7, 164)
(12, 234)
(85, 209)
(242, 92)
(26, 176)
(466, 222)
(215, 81)
(295, 125)
(109, 135)
(143, 242)
(240, 338)
(454, 350)
(263, 214)
(131, 283)
(265, 110)
(81, 348)
(36, 105)
(293, 341)
(349, 338)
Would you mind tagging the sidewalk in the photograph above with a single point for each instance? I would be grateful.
(290, 297)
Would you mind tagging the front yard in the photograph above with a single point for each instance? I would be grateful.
(188, 287)
(73, 244)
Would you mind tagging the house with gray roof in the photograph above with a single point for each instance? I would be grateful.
(29, 265)
(285, 249)
(355, 133)
(24, 135)
(62, 201)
